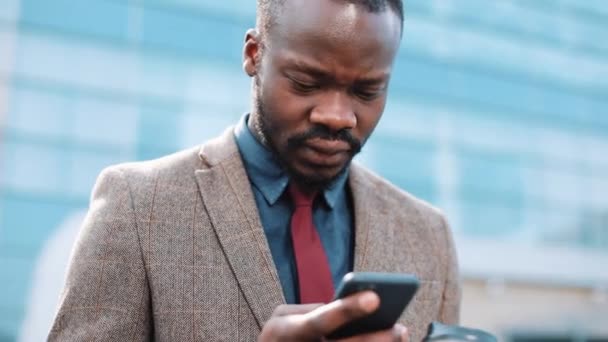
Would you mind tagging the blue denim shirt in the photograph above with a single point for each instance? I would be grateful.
(332, 213)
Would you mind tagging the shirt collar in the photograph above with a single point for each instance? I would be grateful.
(267, 174)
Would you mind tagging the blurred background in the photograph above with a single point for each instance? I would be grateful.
(498, 114)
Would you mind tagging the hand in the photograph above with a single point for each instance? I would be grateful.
(311, 322)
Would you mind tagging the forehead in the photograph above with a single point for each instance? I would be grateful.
(334, 32)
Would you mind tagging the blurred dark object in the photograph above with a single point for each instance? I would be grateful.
(450, 333)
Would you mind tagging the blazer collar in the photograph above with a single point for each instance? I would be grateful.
(230, 204)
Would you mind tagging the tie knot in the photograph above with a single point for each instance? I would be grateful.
(300, 198)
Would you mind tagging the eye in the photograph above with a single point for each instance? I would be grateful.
(303, 87)
(367, 94)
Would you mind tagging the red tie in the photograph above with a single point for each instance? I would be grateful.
(314, 275)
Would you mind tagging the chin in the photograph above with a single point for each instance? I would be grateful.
(317, 177)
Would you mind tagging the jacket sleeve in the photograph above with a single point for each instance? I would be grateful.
(106, 294)
(450, 305)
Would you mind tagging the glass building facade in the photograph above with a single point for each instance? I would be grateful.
(498, 114)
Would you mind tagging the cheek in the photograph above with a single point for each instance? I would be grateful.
(287, 111)
(276, 113)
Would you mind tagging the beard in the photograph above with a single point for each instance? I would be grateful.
(266, 130)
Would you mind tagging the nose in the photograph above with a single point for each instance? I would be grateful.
(335, 111)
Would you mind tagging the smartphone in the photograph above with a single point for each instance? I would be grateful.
(395, 291)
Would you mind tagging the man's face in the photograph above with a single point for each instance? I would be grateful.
(320, 84)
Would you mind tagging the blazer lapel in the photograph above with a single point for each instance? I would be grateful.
(229, 201)
(377, 241)
(363, 215)
(389, 241)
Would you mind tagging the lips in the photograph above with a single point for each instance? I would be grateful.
(326, 153)
(328, 147)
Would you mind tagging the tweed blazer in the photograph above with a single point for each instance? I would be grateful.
(174, 250)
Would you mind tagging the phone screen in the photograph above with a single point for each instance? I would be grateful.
(395, 290)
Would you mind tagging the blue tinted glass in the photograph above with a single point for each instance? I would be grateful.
(27, 220)
(39, 113)
(157, 130)
(193, 33)
(498, 177)
(481, 219)
(107, 19)
(9, 11)
(14, 271)
(22, 162)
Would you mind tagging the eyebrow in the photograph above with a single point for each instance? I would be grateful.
(308, 69)
(319, 73)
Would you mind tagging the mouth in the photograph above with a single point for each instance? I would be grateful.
(328, 147)
(326, 153)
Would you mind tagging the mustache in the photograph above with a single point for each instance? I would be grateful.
(322, 132)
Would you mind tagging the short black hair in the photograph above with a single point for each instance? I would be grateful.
(268, 9)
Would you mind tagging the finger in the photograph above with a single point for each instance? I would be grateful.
(401, 333)
(284, 310)
(328, 318)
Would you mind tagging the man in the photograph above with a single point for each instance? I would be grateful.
(246, 237)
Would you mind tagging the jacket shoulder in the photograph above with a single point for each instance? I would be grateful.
(177, 169)
(394, 198)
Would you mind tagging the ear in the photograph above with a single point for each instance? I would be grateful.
(251, 52)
